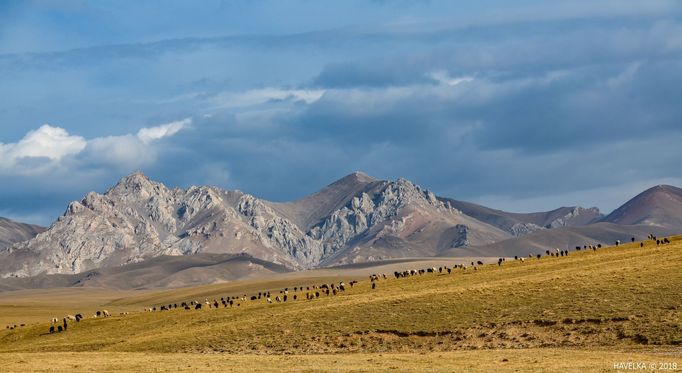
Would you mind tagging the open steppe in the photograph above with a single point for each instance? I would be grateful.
(585, 311)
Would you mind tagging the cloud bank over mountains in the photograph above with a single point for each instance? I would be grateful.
(519, 106)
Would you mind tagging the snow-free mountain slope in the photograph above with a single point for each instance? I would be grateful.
(563, 238)
(12, 232)
(519, 224)
(311, 210)
(159, 272)
(140, 219)
(658, 206)
(399, 219)
(354, 219)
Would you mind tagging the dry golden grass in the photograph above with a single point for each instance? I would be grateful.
(551, 310)
(527, 360)
(38, 306)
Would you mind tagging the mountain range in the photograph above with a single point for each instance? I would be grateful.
(355, 219)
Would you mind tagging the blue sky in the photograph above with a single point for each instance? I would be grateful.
(524, 105)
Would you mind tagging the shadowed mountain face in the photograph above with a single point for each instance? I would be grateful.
(658, 206)
(657, 211)
(354, 219)
(564, 238)
(519, 224)
(12, 232)
(159, 272)
(312, 210)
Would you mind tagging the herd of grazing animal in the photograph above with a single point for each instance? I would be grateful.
(659, 242)
(285, 295)
(313, 292)
(65, 325)
(316, 291)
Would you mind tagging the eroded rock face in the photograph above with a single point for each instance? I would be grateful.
(577, 216)
(520, 229)
(462, 236)
(139, 219)
(279, 232)
(381, 210)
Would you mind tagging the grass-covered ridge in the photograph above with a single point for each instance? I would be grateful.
(616, 297)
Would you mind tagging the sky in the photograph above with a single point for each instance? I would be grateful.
(523, 105)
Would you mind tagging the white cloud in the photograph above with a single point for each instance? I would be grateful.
(48, 147)
(147, 135)
(49, 142)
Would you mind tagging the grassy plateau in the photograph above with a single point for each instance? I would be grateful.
(588, 311)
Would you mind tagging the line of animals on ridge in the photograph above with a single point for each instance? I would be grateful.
(324, 289)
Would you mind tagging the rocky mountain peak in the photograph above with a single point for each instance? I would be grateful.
(136, 184)
(136, 178)
(581, 215)
(658, 206)
(356, 218)
(406, 192)
(356, 177)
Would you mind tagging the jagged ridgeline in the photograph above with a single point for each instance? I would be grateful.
(354, 219)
